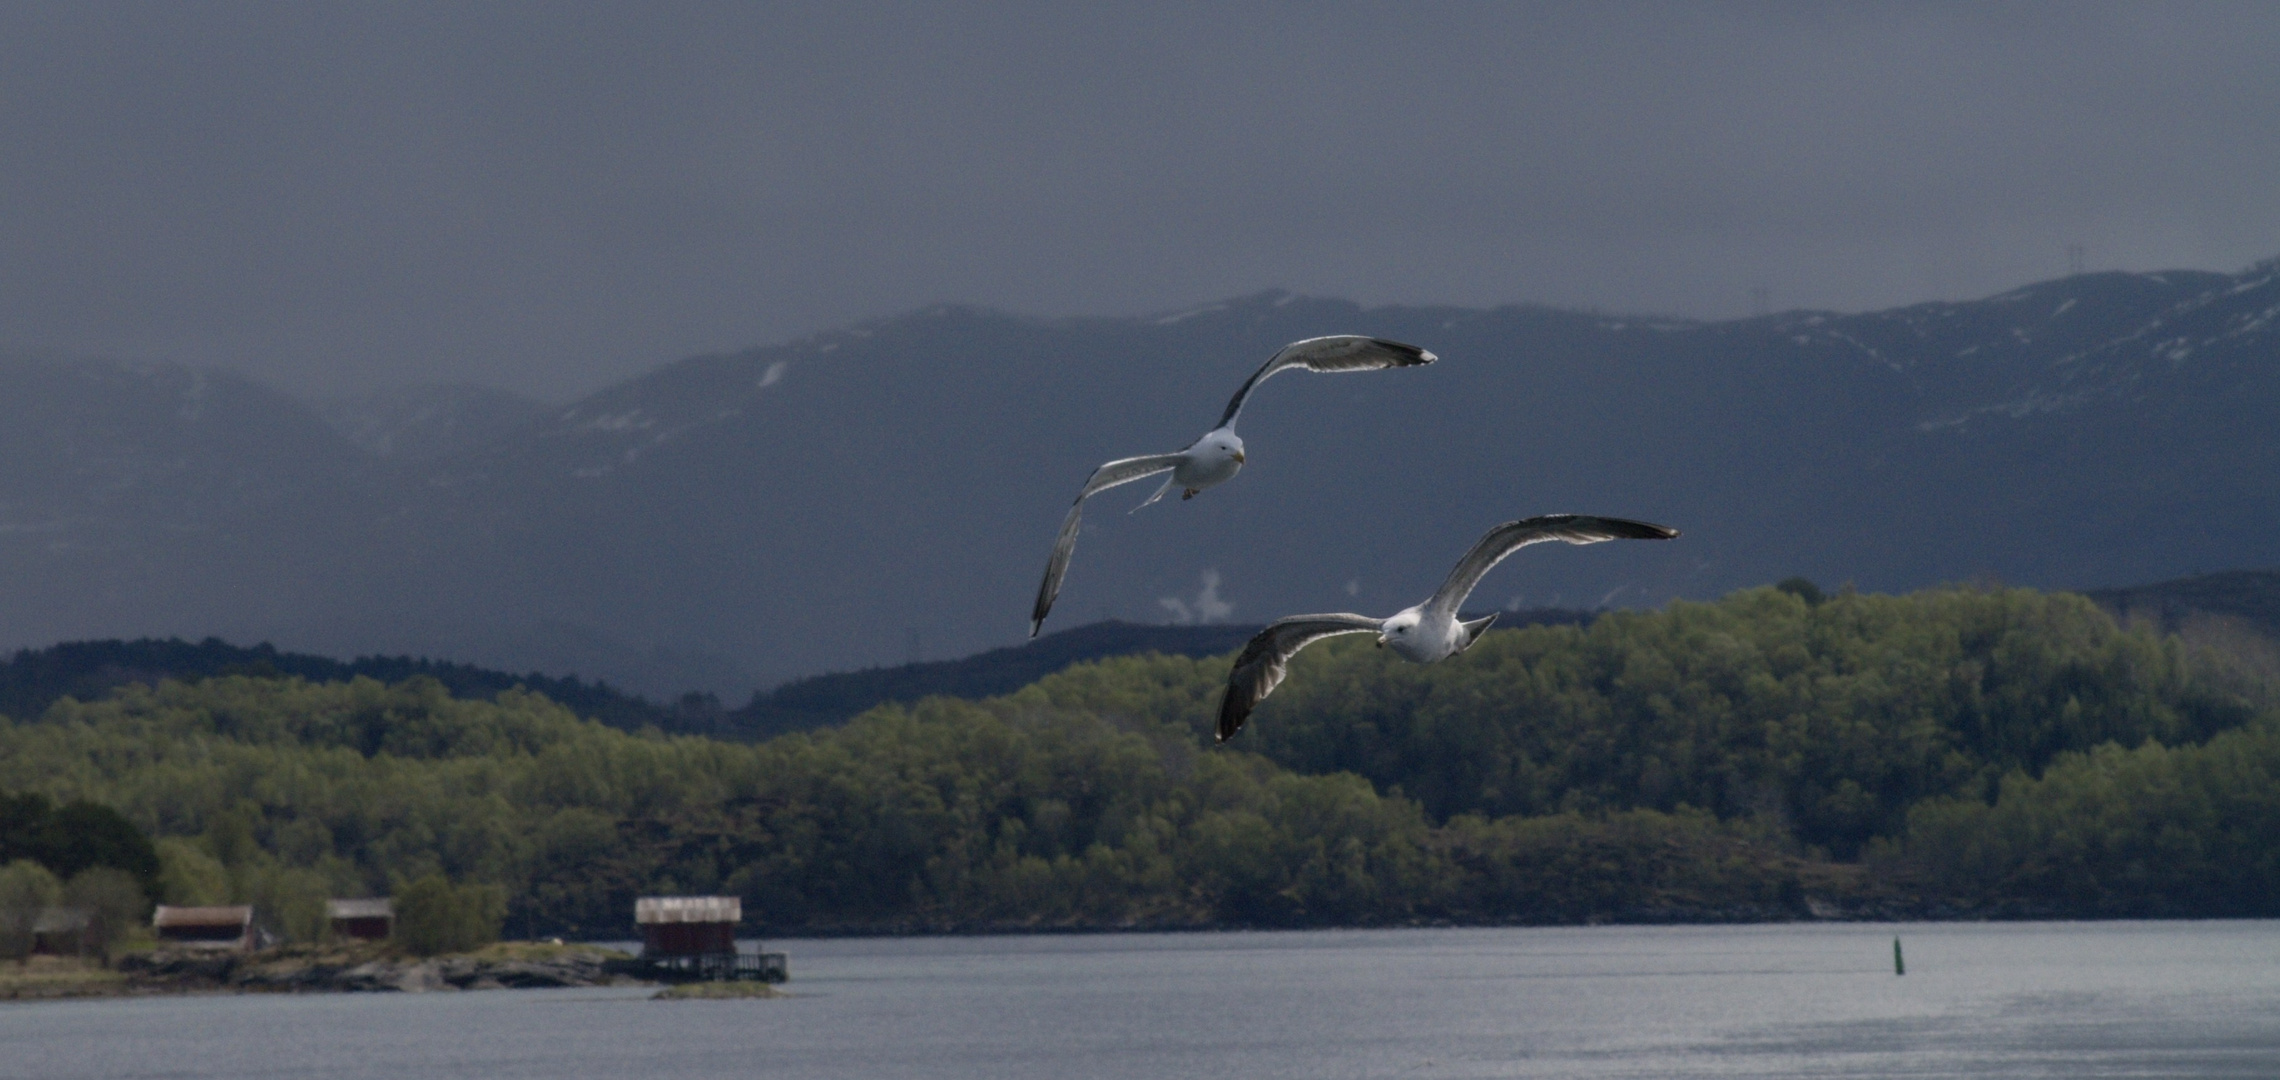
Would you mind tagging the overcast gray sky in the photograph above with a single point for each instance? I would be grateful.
(552, 197)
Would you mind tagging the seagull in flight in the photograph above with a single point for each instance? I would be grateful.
(1425, 633)
(1215, 458)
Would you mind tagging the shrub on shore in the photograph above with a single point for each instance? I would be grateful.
(435, 916)
(26, 889)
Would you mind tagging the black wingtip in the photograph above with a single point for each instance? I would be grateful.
(1624, 528)
(1230, 718)
(1414, 354)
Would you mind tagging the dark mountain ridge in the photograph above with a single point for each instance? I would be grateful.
(2250, 596)
(34, 679)
(735, 520)
(432, 421)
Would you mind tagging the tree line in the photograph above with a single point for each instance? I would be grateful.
(81, 854)
(1948, 751)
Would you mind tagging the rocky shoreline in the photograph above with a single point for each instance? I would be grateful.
(338, 969)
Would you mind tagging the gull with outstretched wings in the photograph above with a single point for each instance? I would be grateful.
(1425, 633)
(1217, 456)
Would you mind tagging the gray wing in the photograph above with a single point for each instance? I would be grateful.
(1120, 471)
(1266, 659)
(1511, 536)
(1338, 352)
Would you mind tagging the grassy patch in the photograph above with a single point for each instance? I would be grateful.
(56, 977)
(541, 952)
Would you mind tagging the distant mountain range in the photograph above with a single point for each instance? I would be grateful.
(889, 490)
(421, 423)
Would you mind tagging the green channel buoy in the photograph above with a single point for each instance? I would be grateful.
(1899, 966)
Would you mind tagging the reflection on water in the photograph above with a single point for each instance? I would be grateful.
(1979, 1000)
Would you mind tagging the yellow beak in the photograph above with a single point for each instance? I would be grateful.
(1381, 641)
(1238, 457)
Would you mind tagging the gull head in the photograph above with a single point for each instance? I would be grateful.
(1226, 445)
(1213, 460)
(1404, 634)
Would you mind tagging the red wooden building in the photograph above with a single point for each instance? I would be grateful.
(687, 925)
(363, 920)
(206, 927)
(694, 937)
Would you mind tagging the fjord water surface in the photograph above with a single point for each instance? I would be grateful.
(2120, 999)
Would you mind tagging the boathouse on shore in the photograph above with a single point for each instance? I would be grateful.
(694, 937)
(687, 925)
(362, 920)
(60, 931)
(228, 927)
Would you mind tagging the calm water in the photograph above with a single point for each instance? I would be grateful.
(2042, 1000)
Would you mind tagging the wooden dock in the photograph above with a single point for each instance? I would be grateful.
(767, 967)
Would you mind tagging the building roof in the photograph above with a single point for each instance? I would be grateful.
(687, 909)
(233, 915)
(382, 908)
(60, 920)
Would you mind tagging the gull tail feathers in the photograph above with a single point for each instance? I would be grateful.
(1167, 486)
(1474, 628)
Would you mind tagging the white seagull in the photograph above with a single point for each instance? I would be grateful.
(1425, 633)
(1217, 456)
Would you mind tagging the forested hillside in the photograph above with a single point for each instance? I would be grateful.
(819, 700)
(1954, 751)
(1831, 718)
(34, 679)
